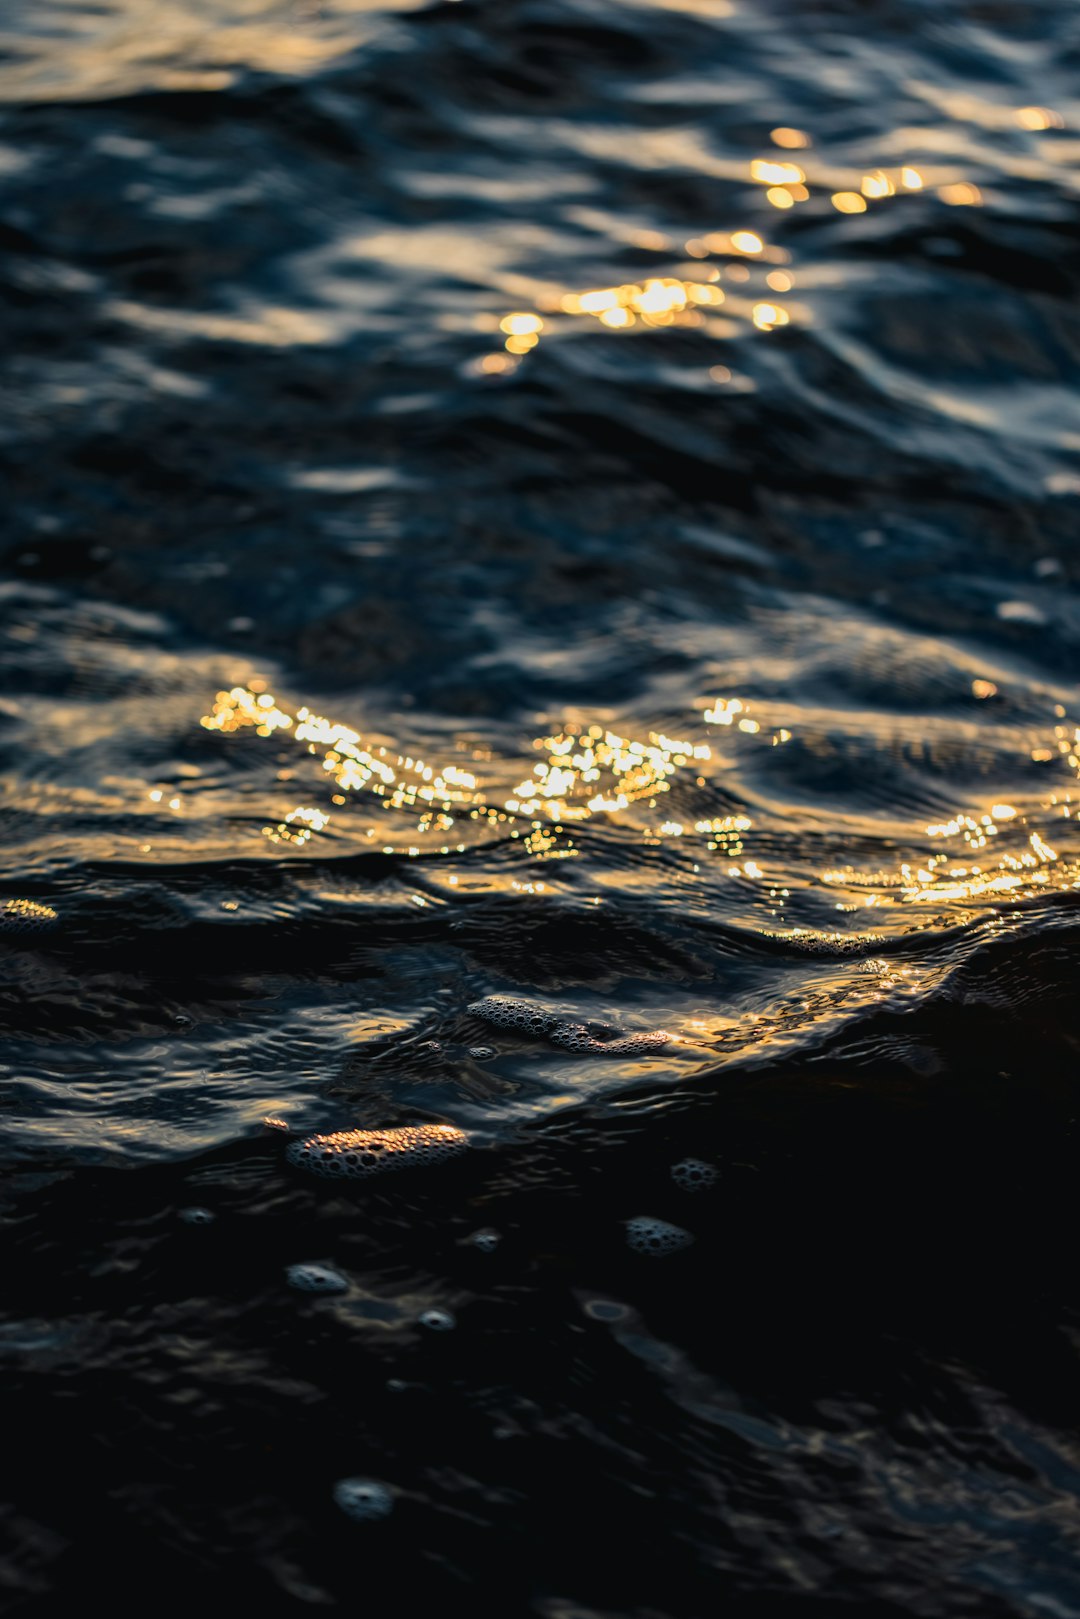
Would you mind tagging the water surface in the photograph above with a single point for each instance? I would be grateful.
(573, 501)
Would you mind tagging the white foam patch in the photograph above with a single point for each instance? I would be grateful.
(358, 1154)
(25, 916)
(315, 1279)
(508, 1013)
(487, 1240)
(197, 1216)
(363, 1499)
(438, 1321)
(694, 1174)
(647, 1235)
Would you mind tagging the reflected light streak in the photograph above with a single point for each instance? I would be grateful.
(664, 300)
(582, 771)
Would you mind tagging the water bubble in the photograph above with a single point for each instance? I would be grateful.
(357, 1154)
(647, 1235)
(363, 1499)
(438, 1321)
(694, 1174)
(487, 1240)
(197, 1216)
(482, 1053)
(508, 1013)
(315, 1279)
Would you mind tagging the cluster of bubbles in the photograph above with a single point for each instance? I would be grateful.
(694, 1174)
(508, 1013)
(25, 916)
(357, 1154)
(363, 1499)
(647, 1235)
(486, 1241)
(315, 1279)
(197, 1216)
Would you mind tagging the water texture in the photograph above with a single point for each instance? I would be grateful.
(570, 502)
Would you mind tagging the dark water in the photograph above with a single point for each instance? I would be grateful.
(707, 661)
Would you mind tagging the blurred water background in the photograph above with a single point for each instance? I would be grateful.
(572, 500)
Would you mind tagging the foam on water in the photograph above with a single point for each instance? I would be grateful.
(197, 1216)
(506, 1012)
(315, 1279)
(647, 1235)
(694, 1174)
(26, 916)
(358, 1154)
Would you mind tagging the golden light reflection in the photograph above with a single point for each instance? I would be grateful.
(1003, 852)
(849, 202)
(684, 299)
(583, 771)
(996, 854)
(776, 174)
(298, 826)
(1039, 118)
(653, 241)
(128, 47)
(725, 711)
(657, 301)
(792, 139)
(961, 195)
(521, 325)
(597, 771)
